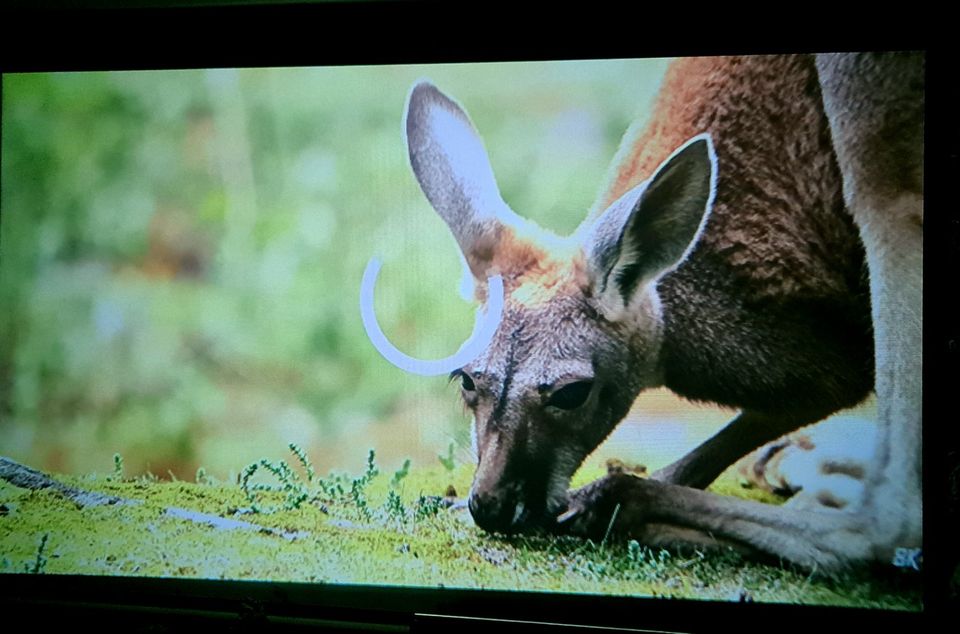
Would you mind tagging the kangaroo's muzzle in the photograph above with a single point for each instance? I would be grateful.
(499, 511)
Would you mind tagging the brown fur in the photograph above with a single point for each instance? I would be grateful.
(536, 266)
(774, 188)
(770, 312)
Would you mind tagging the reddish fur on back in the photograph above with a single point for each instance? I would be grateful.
(778, 219)
(675, 119)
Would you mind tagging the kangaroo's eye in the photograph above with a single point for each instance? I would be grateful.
(571, 396)
(466, 382)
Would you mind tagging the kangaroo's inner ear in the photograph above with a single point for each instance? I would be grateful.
(451, 165)
(652, 228)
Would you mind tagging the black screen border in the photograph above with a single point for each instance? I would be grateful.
(74, 36)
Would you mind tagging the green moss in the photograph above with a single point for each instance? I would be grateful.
(336, 544)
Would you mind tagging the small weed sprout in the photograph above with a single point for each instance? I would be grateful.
(295, 493)
(663, 561)
(117, 466)
(394, 504)
(359, 485)
(360, 499)
(400, 474)
(331, 487)
(447, 461)
(41, 562)
(647, 564)
(334, 489)
(395, 508)
(203, 477)
(427, 506)
(304, 461)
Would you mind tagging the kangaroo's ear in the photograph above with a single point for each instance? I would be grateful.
(452, 167)
(653, 227)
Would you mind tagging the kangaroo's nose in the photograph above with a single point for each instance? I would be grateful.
(496, 513)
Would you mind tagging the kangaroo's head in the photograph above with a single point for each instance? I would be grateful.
(582, 325)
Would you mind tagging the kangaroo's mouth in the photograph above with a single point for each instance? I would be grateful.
(512, 510)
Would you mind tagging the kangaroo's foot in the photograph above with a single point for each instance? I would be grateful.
(660, 514)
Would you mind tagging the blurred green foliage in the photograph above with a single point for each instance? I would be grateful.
(181, 253)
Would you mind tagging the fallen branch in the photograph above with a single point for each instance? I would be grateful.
(27, 478)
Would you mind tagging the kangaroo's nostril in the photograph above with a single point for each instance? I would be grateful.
(474, 506)
(495, 514)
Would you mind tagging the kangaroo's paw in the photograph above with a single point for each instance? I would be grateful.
(624, 506)
(822, 465)
(614, 502)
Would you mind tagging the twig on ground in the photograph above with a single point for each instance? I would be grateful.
(27, 478)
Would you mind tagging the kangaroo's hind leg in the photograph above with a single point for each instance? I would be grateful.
(875, 106)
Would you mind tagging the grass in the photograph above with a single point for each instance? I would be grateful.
(379, 528)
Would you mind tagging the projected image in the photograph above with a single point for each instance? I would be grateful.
(592, 327)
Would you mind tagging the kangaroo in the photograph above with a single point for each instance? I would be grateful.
(759, 246)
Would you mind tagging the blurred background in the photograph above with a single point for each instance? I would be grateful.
(181, 255)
